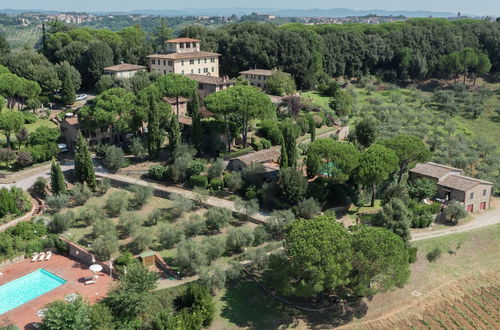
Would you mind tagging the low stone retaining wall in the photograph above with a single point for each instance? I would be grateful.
(25, 217)
(85, 257)
(14, 260)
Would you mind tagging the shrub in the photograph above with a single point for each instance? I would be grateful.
(412, 254)
(213, 278)
(170, 235)
(180, 204)
(233, 181)
(24, 158)
(80, 193)
(61, 222)
(155, 217)
(251, 192)
(454, 212)
(214, 247)
(116, 203)
(7, 155)
(308, 208)
(114, 158)
(103, 226)
(57, 202)
(90, 213)
(137, 148)
(248, 208)
(140, 196)
(142, 239)
(217, 218)
(194, 226)
(266, 144)
(103, 186)
(125, 259)
(198, 181)
(200, 195)
(253, 174)
(278, 221)
(105, 245)
(239, 238)
(197, 299)
(197, 167)
(216, 170)
(270, 130)
(157, 172)
(190, 256)
(260, 235)
(433, 255)
(130, 222)
(216, 184)
(40, 186)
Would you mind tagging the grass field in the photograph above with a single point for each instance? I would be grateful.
(246, 306)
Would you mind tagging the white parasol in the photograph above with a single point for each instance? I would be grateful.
(95, 268)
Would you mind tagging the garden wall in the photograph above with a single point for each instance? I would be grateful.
(82, 255)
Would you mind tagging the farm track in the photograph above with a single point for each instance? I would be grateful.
(473, 303)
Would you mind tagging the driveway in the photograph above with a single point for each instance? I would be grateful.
(484, 219)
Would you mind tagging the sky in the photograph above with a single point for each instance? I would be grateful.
(476, 7)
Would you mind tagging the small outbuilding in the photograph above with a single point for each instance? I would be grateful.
(262, 157)
(124, 70)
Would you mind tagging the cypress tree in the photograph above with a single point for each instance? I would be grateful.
(197, 131)
(57, 184)
(289, 145)
(312, 128)
(174, 135)
(155, 137)
(84, 168)
(68, 93)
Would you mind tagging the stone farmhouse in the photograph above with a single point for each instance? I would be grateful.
(257, 77)
(124, 70)
(452, 185)
(71, 127)
(208, 84)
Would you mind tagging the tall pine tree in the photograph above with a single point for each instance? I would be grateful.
(84, 168)
(155, 136)
(57, 183)
(68, 93)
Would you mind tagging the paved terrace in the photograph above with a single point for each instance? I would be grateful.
(70, 270)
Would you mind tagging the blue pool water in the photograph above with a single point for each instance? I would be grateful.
(26, 288)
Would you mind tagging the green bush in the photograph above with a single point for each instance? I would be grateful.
(215, 171)
(157, 172)
(216, 184)
(56, 202)
(217, 218)
(61, 222)
(239, 238)
(197, 167)
(233, 181)
(270, 130)
(194, 226)
(116, 203)
(114, 158)
(433, 255)
(198, 181)
(29, 118)
(130, 222)
(170, 235)
(260, 235)
(238, 153)
(140, 196)
(266, 144)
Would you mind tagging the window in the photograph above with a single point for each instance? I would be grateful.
(191, 62)
(165, 71)
(471, 196)
(170, 63)
(199, 70)
(153, 61)
(164, 62)
(192, 71)
(212, 60)
(182, 62)
(181, 45)
(213, 70)
(201, 86)
(258, 84)
(205, 70)
(205, 60)
(182, 71)
(259, 77)
(199, 61)
(188, 45)
(484, 192)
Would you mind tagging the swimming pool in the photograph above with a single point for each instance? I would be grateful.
(26, 288)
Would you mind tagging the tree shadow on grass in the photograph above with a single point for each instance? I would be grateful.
(247, 305)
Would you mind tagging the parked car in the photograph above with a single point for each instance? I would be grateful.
(81, 97)
(62, 147)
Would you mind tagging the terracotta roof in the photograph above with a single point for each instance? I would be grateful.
(186, 120)
(205, 113)
(72, 120)
(182, 40)
(212, 80)
(434, 170)
(172, 100)
(262, 156)
(189, 55)
(259, 72)
(463, 183)
(124, 67)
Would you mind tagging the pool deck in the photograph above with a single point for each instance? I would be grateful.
(70, 270)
